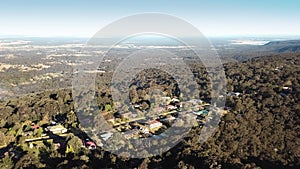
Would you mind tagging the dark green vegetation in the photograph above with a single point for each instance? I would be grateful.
(260, 131)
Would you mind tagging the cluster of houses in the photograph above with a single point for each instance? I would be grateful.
(134, 126)
(165, 116)
(54, 133)
(54, 128)
(137, 129)
(128, 124)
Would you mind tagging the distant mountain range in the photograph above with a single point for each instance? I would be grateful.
(245, 52)
(283, 46)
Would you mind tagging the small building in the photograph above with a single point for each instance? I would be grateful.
(53, 123)
(201, 112)
(234, 94)
(35, 144)
(165, 98)
(286, 88)
(144, 130)
(34, 127)
(175, 100)
(90, 144)
(178, 104)
(57, 129)
(169, 118)
(171, 107)
(127, 115)
(106, 136)
(136, 106)
(195, 101)
(57, 145)
(154, 125)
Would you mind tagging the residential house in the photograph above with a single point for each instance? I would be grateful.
(57, 145)
(136, 106)
(175, 100)
(144, 130)
(165, 99)
(90, 144)
(128, 115)
(171, 107)
(234, 94)
(195, 101)
(57, 129)
(170, 118)
(154, 125)
(34, 127)
(201, 112)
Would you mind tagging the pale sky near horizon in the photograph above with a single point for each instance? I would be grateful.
(80, 18)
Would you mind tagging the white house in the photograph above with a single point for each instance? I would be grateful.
(58, 129)
(154, 124)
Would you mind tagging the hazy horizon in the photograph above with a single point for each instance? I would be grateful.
(214, 19)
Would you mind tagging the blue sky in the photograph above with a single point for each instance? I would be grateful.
(212, 17)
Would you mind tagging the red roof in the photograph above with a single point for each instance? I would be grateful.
(90, 143)
(35, 127)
